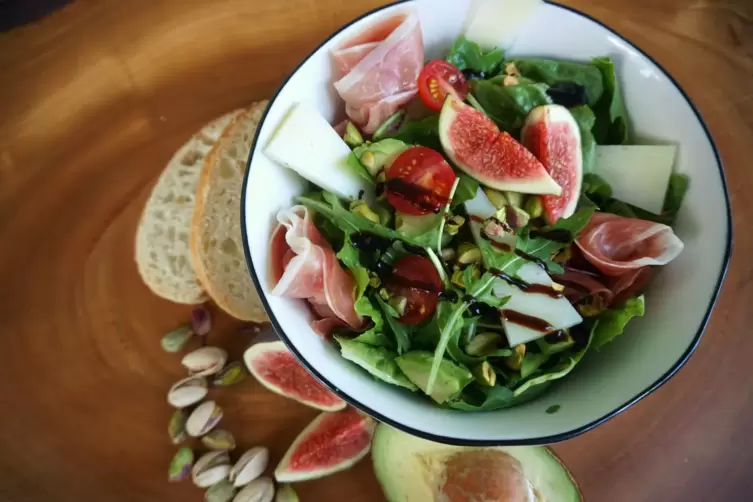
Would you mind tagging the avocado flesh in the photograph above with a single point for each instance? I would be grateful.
(384, 151)
(451, 378)
(410, 469)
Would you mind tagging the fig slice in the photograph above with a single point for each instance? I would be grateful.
(476, 145)
(551, 133)
(272, 364)
(332, 442)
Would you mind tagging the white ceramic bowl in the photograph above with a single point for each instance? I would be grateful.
(679, 300)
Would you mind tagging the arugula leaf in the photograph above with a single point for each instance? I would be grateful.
(532, 362)
(612, 322)
(551, 72)
(508, 105)
(423, 132)
(596, 189)
(611, 115)
(466, 190)
(467, 55)
(399, 331)
(378, 361)
(678, 187)
(351, 258)
(332, 209)
(586, 119)
(449, 320)
(566, 363)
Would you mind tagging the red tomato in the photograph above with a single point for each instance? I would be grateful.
(437, 80)
(416, 279)
(419, 181)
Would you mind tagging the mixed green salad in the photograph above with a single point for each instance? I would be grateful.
(444, 259)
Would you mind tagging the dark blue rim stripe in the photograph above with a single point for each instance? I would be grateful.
(515, 442)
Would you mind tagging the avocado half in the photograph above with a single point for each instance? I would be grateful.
(412, 469)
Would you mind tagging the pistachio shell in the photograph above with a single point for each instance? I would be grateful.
(205, 361)
(180, 466)
(211, 468)
(219, 439)
(203, 419)
(259, 490)
(177, 426)
(224, 491)
(230, 374)
(187, 392)
(286, 493)
(211, 476)
(250, 466)
(176, 339)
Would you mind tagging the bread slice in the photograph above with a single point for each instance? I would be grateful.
(216, 246)
(162, 238)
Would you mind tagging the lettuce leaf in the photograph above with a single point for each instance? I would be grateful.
(551, 71)
(400, 332)
(611, 116)
(467, 55)
(508, 105)
(611, 323)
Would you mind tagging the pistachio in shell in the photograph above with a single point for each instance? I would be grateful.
(219, 439)
(224, 491)
(201, 321)
(250, 466)
(203, 419)
(180, 466)
(177, 426)
(259, 490)
(205, 361)
(286, 493)
(187, 392)
(230, 374)
(175, 340)
(211, 468)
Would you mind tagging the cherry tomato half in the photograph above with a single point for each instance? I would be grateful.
(419, 181)
(437, 80)
(416, 279)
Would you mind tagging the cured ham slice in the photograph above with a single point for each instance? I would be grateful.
(616, 245)
(379, 69)
(581, 286)
(303, 265)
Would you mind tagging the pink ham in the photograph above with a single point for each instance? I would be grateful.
(581, 285)
(379, 69)
(616, 245)
(303, 265)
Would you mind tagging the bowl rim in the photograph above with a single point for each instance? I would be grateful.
(532, 441)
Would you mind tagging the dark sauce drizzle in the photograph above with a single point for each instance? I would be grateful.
(417, 195)
(557, 336)
(526, 320)
(560, 235)
(538, 261)
(527, 287)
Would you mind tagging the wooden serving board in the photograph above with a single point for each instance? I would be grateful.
(93, 101)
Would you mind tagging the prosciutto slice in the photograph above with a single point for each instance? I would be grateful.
(303, 265)
(616, 245)
(379, 69)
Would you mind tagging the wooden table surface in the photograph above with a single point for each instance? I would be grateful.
(93, 101)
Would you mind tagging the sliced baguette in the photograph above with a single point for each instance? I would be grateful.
(162, 238)
(216, 247)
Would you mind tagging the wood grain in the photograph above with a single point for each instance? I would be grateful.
(93, 101)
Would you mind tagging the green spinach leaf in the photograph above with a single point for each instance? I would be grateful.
(508, 105)
(551, 72)
(355, 165)
(423, 132)
(611, 323)
(467, 55)
(497, 397)
(611, 115)
(586, 119)
(466, 190)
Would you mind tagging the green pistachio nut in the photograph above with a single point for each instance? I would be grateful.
(398, 303)
(453, 225)
(514, 198)
(360, 208)
(468, 253)
(230, 374)
(352, 136)
(515, 360)
(180, 466)
(224, 491)
(534, 207)
(219, 439)
(495, 197)
(176, 428)
(484, 374)
(175, 340)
